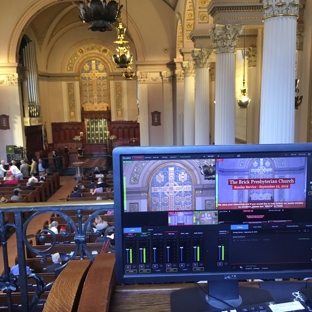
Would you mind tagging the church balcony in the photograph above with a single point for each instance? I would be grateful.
(34, 248)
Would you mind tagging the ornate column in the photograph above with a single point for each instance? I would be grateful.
(143, 108)
(189, 102)
(179, 108)
(300, 127)
(202, 124)
(225, 38)
(166, 77)
(253, 110)
(212, 98)
(278, 71)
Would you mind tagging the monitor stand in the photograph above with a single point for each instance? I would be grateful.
(196, 299)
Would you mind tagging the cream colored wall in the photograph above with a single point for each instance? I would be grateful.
(155, 103)
(9, 105)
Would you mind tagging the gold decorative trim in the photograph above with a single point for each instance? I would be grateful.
(71, 100)
(118, 94)
(87, 49)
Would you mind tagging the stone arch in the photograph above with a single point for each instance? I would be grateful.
(38, 7)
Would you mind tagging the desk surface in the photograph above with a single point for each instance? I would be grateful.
(156, 297)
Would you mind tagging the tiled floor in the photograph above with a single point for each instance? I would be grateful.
(67, 185)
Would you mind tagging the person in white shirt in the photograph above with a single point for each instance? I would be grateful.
(33, 179)
(54, 227)
(15, 171)
(2, 170)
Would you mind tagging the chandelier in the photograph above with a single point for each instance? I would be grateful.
(244, 101)
(99, 14)
(123, 58)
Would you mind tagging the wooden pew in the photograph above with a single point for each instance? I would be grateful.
(65, 293)
(106, 217)
(16, 301)
(64, 248)
(32, 196)
(100, 276)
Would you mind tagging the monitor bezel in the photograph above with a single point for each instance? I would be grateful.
(118, 152)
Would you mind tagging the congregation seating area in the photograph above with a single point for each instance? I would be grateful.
(86, 191)
(42, 190)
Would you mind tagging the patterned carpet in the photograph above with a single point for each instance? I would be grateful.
(93, 162)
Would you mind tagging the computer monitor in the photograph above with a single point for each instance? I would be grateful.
(215, 213)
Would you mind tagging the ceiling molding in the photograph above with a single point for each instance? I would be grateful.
(172, 3)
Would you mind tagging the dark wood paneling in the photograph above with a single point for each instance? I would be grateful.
(127, 133)
(64, 132)
(34, 140)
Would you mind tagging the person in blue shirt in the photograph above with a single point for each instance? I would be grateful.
(15, 270)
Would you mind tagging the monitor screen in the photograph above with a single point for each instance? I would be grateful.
(215, 213)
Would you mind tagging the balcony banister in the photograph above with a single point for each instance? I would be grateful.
(85, 212)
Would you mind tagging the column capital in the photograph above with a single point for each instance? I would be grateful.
(273, 8)
(300, 36)
(166, 76)
(252, 56)
(225, 38)
(201, 57)
(189, 69)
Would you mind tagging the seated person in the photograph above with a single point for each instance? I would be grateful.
(54, 227)
(3, 200)
(97, 189)
(10, 179)
(96, 170)
(80, 187)
(101, 183)
(57, 262)
(18, 187)
(33, 178)
(42, 179)
(15, 270)
(30, 186)
(104, 170)
(99, 224)
(91, 184)
(75, 193)
(16, 195)
(48, 171)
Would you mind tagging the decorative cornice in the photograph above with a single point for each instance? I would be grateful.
(149, 77)
(273, 8)
(179, 74)
(201, 57)
(9, 80)
(225, 38)
(189, 68)
(166, 76)
(234, 9)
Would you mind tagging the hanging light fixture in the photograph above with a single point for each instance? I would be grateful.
(244, 101)
(298, 98)
(123, 58)
(99, 14)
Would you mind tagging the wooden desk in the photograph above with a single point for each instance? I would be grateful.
(142, 298)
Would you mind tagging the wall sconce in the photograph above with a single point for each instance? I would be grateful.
(298, 98)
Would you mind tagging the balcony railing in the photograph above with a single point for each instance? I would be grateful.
(76, 228)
